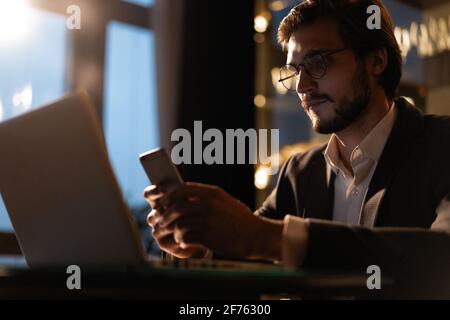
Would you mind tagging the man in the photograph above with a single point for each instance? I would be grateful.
(386, 165)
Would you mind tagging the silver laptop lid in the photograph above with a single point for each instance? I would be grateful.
(60, 191)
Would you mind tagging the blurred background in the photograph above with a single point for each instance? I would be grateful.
(152, 66)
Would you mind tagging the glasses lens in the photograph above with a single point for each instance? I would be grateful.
(288, 77)
(315, 66)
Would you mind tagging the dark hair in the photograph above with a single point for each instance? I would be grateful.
(351, 18)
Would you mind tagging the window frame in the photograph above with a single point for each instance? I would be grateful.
(86, 48)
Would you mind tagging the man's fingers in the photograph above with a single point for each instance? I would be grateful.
(153, 195)
(154, 218)
(168, 244)
(189, 190)
(151, 218)
(185, 231)
(156, 203)
(159, 232)
(151, 190)
(163, 187)
(189, 231)
(181, 210)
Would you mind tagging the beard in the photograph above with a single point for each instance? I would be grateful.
(347, 111)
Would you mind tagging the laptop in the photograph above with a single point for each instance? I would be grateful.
(59, 189)
(61, 194)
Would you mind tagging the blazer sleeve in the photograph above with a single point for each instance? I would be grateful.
(282, 196)
(417, 259)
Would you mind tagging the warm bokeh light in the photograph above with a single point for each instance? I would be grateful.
(15, 21)
(277, 5)
(429, 38)
(262, 177)
(260, 101)
(275, 72)
(261, 24)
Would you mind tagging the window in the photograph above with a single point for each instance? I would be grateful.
(27, 80)
(130, 115)
(144, 3)
(39, 70)
(5, 223)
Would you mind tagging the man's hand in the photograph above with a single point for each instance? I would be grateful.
(166, 241)
(165, 237)
(203, 216)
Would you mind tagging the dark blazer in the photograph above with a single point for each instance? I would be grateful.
(406, 222)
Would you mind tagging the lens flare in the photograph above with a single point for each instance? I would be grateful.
(15, 21)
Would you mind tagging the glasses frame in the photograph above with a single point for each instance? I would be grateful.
(323, 55)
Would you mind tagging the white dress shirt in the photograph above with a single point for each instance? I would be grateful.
(350, 190)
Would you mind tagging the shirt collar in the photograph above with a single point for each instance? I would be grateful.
(373, 143)
(371, 146)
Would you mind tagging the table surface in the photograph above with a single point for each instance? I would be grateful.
(179, 281)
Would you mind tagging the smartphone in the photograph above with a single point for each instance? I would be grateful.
(160, 170)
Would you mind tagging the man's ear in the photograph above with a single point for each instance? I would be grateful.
(378, 61)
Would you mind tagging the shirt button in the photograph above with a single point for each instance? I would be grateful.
(355, 192)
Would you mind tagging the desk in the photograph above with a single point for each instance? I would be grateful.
(19, 282)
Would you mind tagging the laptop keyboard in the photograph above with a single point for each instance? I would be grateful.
(200, 264)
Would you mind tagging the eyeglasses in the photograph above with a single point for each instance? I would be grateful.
(314, 65)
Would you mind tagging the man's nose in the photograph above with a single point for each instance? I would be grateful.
(305, 83)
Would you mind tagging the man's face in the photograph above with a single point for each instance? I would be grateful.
(339, 97)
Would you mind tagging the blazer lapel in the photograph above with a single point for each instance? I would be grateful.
(408, 124)
(320, 191)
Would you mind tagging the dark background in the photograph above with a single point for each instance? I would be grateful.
(217, 84)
